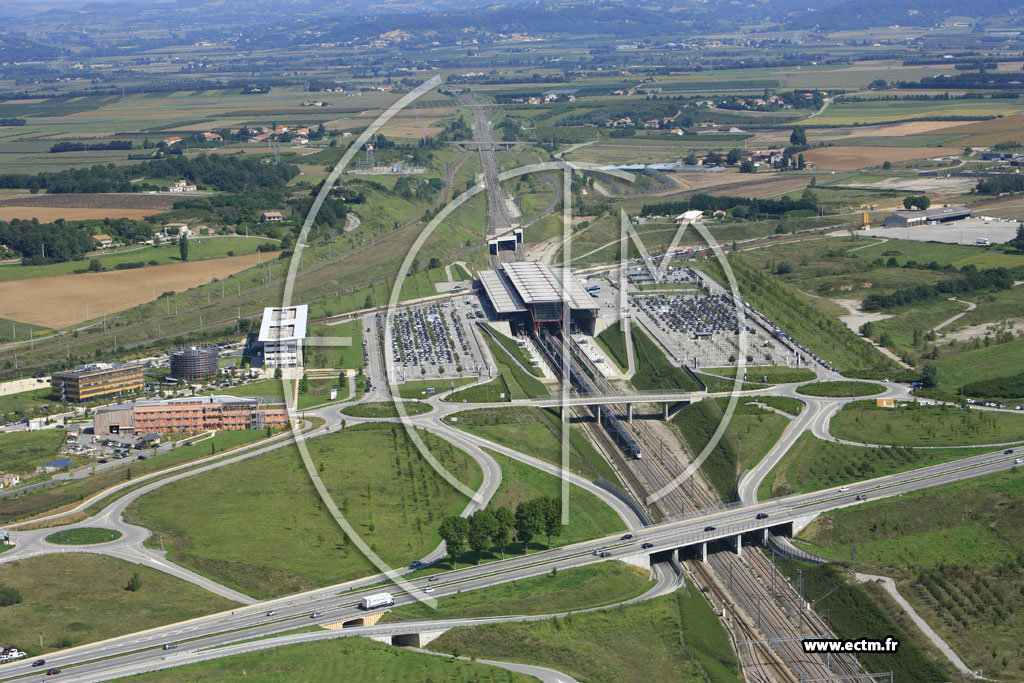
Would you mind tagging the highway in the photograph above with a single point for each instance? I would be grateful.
(338, 602)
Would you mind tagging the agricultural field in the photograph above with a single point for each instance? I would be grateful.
(61, 300)
(884, 112)
(842, 158)
(954, 552)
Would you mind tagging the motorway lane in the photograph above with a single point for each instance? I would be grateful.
(664, 536)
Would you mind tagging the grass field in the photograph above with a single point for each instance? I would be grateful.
(998, 360)
(514, 381)
(612, 342)
(83, 536)
(536, 432)
(653, 371)
(22, 452)
(329, 660)
(916, 425)
(573, 589)
(421, 388)
(954, 552)
(881, 112)
(812, 464)
(201, 249)
(79, 598)
(54, 496)
(349, 357)
(840, 388)
(513, 350)
(386, 409)
(676, 637)
(260, 527)
(488, 392)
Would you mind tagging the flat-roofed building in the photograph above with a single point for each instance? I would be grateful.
(940, 214)
(530, 290)
(97, 380)
(281, 335)
(192, 414)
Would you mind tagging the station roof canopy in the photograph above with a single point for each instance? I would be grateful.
(526, 283)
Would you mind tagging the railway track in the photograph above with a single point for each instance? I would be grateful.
(768, 618)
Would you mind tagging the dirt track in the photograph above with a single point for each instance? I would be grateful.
(60, 300)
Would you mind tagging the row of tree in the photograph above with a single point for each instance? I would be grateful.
(486, 529)
(970, 280)
(755, 207)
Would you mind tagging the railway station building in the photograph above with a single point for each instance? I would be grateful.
(530, 294)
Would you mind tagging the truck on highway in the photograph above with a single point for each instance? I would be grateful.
(377, 600)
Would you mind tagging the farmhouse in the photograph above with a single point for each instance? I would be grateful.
(102, 241)
(181, 186)
(271, 217)
(8, 480)
(941, 214)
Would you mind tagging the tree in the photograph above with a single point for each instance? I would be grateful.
(183, 247)
(304, 384)
(930, 375)
(134, 583)
(878, 84)
(529, 522)
(798, 138)
(95, 266)
(921, 202)
(691, 159)
(550, 511)
(278, 374)
(800, 163)
(504, 524)
(886, 165)
(748, 166)
(733, 157)
(783, 268)
(454, 532)
(482, 524)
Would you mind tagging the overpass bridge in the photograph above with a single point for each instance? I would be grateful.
(666, 398)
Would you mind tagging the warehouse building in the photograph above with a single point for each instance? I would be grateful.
(281, 335)
(96, 380)
(193, 414)
(530, 294)
(941, 214)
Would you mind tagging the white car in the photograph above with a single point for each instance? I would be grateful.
(844, 489)
(428, 590)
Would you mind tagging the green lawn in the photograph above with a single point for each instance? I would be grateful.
(770, 374)
(812, 464)
(916, 425)
(357, 659)
(260, 527)
(488, 392)
(536, 432)
(573, 589)
(22, 452)
(83, 536)
(39, 500)
(80, 598)
(265, 388)
(343, 357)
(998, 360)
(521, 383)
(653, 371)
(459, 273)
(838, 389)
(513, 350)
(421, 387)
(386, 409)
(612, 341)
(955, 553)
(320, 392)
(672, 638)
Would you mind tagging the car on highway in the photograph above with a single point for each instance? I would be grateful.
(38, 662)
(709, 528)
(861, 496)
(1008, 451)
(626, 537)
(316, 615)
(605, 553)
(103, 461)
(844, 489)
(141, 457)
(762, 515)
(1018, 461)
(272, 613)
(428, 590)
(647, 545)
(433, 578)
(170, 646)
(53, 672)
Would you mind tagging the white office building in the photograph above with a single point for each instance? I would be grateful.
(281, 335)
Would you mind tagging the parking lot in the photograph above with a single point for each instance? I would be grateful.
(435, 340)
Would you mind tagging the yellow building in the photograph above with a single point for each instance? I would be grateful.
(95, 381)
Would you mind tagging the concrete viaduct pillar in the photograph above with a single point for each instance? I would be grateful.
(629, 413)
(739, 544)
(664, 414)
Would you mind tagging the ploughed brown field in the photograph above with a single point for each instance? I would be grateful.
(49, 207)
(851, 158)
(59, 301)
